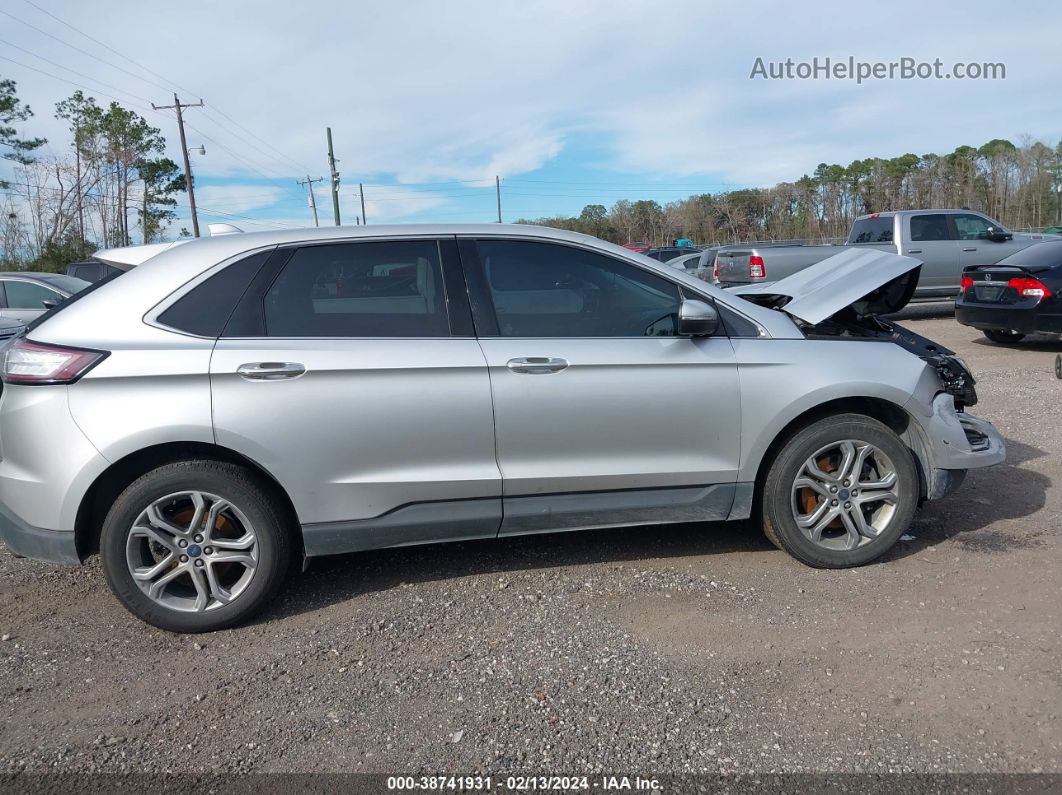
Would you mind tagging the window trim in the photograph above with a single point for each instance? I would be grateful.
(484, 315)
(250, 308)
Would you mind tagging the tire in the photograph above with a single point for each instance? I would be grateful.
(843, 542)
(203, 581)
(1003, 337)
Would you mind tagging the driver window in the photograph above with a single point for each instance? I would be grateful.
(972, 227)
(549, 290)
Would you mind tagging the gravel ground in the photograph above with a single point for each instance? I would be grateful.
(650, 649)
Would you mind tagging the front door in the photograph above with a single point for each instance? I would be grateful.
(603, 416)
(975, 247)
(350, 371)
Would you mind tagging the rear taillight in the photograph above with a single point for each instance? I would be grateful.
(715, 270)
(1029, 287)
(967, 281)
(756, 268)
(28, 362)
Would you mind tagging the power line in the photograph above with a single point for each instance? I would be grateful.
(85, 52)
(71, 82)
(74, 71)
(141, 78)
(108, 47)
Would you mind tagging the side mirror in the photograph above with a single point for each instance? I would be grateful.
(998, 235)
(49, 303)
(697, 319)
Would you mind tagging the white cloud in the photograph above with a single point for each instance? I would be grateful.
(237, 198)
(466, 90)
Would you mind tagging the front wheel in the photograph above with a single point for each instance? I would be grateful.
(1003, 336)
(840, 492)
(195, 546)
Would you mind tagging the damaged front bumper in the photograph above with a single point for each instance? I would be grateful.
(957, 442)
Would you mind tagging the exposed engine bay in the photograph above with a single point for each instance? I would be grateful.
(957, 379)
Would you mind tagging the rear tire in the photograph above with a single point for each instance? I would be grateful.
(840, 492)
(195, 546)
(1003, 336)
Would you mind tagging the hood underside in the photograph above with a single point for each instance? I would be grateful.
(868, 281)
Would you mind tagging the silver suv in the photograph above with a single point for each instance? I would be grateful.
(239, 403)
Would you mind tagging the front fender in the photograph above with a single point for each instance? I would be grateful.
(781, 380)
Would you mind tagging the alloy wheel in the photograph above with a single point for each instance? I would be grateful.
(192, 551)
(845, 494)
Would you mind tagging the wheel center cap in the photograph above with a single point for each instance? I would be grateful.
(194, 551)
(842, 494)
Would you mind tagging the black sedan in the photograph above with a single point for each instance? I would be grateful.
(1021, 294)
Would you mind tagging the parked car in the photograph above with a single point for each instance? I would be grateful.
(692, 264)
(641, 248)
(665, 253)
(946, 241)
(91, 271)
(1021, 294)
(227, 407)
(25, 295)
(9, 330)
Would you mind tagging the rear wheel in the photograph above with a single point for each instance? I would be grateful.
(1003, 336)
(195, 546)
(840, 492)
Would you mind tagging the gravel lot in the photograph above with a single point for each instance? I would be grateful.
(643, 650)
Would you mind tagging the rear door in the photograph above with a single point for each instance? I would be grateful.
(931, 239)
(603, 416)
(350, 371)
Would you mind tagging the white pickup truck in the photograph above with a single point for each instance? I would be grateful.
(946, 241)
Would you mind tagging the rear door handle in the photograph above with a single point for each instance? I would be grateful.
(914, 251)
(537, 365)
(270, 371)
(971, 248)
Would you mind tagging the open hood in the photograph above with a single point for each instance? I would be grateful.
(868, 281)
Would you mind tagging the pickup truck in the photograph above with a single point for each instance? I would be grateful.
(946, 241)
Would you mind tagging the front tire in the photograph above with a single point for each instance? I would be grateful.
(840, 492)
(1003, 336)
(195, 546)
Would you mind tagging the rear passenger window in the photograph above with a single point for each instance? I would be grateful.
(871, 230)
(205, 309)
(385, 289)
(929, 227)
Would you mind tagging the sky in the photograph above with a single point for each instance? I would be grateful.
(569, 103)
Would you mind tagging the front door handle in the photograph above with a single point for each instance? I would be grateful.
(914, 251)
(971, 248)
(270, 371)
(537, 365)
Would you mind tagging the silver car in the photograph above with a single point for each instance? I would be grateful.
(25, 295)
(240, 403)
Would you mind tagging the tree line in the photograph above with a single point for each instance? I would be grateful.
(112, 187)
(1019, 185)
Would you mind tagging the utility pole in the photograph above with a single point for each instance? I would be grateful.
(335, 177)
(184, 153)
(361, 192)
(309, 189)
(497, 189)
